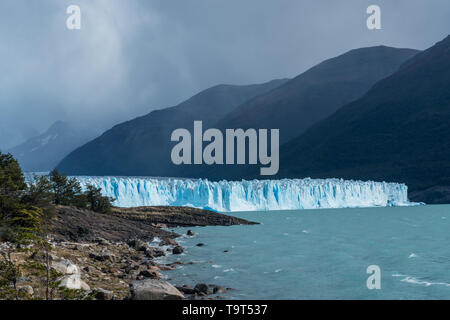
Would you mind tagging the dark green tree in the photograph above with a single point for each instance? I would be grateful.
(66, 191)
(20, 222)
(96, 201)
(12, 181)
(12, 186)
(39, 192)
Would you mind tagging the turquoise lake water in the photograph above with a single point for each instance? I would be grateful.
(323, 254)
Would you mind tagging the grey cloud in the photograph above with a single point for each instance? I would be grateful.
(133, 56)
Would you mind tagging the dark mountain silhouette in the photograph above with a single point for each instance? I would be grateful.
(318, 92)
(142, 146)
(398, 131)
(43, 152)
(305, 100)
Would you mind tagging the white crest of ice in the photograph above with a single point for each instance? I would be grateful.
(260, 195)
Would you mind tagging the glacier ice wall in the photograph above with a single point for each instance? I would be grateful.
(228, 196)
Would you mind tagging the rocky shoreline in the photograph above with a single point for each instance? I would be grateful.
(108, 257)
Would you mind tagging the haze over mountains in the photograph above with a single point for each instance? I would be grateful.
(45, 151)
(305, 100)
(375, 113)
(142, 146)
(318, 92)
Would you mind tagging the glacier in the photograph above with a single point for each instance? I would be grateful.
(254, 195)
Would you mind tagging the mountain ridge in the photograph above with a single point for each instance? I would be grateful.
(141, 146)
(306, 99)
(318, 92)
(396, 132)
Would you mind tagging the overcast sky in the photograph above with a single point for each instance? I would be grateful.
(132, 56)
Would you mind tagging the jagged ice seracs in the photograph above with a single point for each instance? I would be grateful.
(254, 195)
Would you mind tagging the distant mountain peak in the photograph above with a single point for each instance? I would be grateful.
(44, 151)
(59, 125)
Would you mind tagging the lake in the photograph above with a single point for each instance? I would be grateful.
(323, 254)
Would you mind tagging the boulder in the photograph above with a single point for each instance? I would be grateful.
(150, 274)
(95, 256)
(74, 282)
(177, 250)
(129, 268)
(187, 290)
(138, 245)
(190, 233)
(152, 289)
(202, 288)
(102, 294)
(84, 286)
(154, 268)
(72, 275)
(104, 255)
(70, 282)
(107, 255)
(143, 247)
(168, 242)
(133, 243)
(101, 241)
(159, 253)
(219, 289)
(166, 268)
(154, 253)
(65, 267)
(27, 290)
(88, 269)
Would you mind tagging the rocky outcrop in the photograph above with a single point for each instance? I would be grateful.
(79, 225)
(151, 289)
(112, 255)
(144, 223)
(178, 216)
